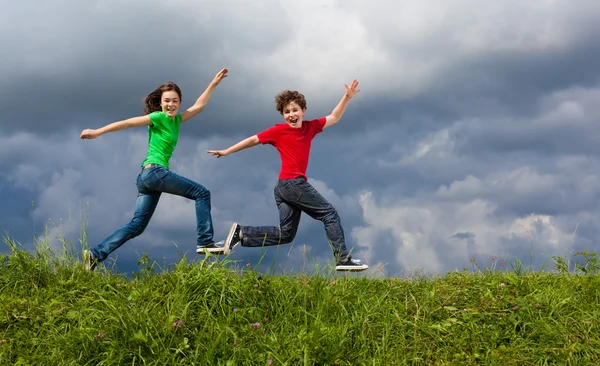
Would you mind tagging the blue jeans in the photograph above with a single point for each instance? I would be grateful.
(151, 183)
(293, 196)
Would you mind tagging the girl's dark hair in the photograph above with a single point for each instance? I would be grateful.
(285, 97)
(152, 100)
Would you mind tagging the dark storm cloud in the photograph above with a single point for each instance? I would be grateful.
(474, 122)
(93, 63)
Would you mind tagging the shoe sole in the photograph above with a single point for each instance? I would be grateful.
(227, 246)
(87, 262)
(210, 250)
(352, 268)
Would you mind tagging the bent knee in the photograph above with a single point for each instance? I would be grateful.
(331, 216)
(287, 236)
(202, 193)
(136, 228)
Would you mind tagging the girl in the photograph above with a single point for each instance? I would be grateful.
(163, 120)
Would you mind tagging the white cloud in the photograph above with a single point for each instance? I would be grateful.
(425, 233)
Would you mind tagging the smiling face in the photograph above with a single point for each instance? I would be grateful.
(169, 102)
(292, 114)
(292, 106)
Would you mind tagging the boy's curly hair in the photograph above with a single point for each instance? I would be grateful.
(287, 96)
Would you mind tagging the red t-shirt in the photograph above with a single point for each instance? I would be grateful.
(293, 145)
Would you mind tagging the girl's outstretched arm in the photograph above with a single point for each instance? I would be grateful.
(339, 110)
(203, 99)
(244, 144)
(115, 126)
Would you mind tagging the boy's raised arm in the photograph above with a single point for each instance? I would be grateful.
(339, 110)
(244, 144)
(203, 99)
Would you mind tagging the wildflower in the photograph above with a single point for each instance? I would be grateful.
(270, 362)
(537, 305)
(515, 307)
(502, 284)
(236, 344)
(465, 310)
(247, 265)
(255, 325)
(100, 335)
(178, 323)
(239, 299)
(255, 285)
(236, 310)
(259, 278)
(118, 285)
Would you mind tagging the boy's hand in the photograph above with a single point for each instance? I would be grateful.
(220, 76)
(351, 90)
(217, 153)
(89, 134)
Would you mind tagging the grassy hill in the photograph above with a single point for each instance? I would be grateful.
(52, 312)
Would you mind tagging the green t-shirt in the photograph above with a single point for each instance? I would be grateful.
(163, 134)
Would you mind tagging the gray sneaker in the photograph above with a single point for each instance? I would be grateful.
(351, 265)
(213, 248)
(89, 261)
(233, 238)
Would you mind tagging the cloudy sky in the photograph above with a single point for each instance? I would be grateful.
(475, 134)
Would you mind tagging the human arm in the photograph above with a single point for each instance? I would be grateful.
(204, 98)
(115, 126)
(339, 110)
(244, 144)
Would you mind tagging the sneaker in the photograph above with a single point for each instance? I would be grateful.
(213, 248)
(352, 265)
(233, 238)
(89, 261)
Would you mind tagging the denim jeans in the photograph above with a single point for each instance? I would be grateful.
(151, 182)
(293, 196)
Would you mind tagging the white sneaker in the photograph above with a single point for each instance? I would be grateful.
(213, 248)
(89, 261)
(233, 238)
(351, 265)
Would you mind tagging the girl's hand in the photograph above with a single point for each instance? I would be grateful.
(220, 76)
(217, 153)
(351, 90)
(89, 134)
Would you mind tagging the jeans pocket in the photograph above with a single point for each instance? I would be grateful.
(289, 190)
(152, 178)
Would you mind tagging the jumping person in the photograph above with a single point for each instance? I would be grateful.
(163, 119)
(293, 193)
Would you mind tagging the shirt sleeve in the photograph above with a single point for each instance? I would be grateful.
(269, 136)
(156, 118)
(318, 125)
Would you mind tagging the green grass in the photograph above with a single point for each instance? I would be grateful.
(52, 312)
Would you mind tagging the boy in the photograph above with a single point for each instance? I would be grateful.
(293, 193)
